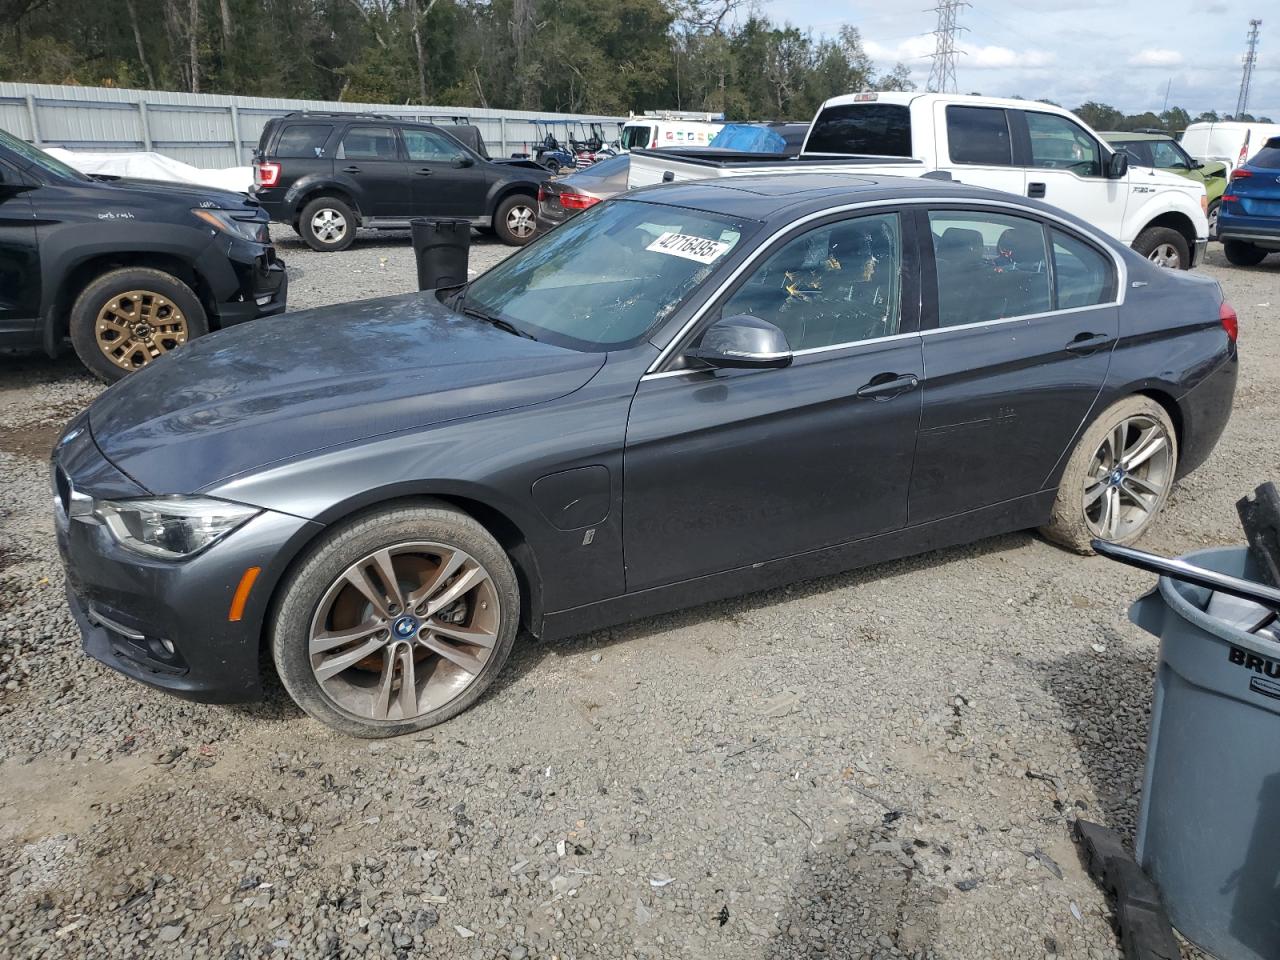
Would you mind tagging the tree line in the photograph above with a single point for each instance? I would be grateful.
(1103, 116)
(596, 56)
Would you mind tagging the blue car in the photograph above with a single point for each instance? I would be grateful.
(1249, 221)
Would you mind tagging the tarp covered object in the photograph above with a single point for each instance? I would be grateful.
(154, 166)
(749, 138)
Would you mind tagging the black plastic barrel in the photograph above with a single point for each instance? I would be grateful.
(441, 249)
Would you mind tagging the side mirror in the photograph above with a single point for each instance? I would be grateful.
(1117, 165)
(462, 160)
(743, 341)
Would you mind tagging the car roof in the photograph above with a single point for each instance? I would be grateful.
(1114, 135)
(768, 196)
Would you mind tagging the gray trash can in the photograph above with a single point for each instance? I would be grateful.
(1209, 824)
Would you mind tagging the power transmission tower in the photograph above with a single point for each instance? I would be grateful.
(942, 77)
(1250, 58)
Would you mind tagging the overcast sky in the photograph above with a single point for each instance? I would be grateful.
(1071, 51)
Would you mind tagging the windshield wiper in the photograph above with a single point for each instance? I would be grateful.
(499, 322)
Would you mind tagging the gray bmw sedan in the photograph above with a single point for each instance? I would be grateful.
(682, 394)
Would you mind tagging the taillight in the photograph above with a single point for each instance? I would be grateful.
(1238, 174)
(1230, 322)
(577, 201)
(1229, 198)
(266, 173)
(542, 195)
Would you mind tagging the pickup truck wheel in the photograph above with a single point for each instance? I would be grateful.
(328, 224)
(515, 220)
(1165, 247)
(1243, 254)
(1118, 478)
(127, 318)
(1212, 214)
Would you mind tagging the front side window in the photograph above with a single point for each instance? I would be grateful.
(368, 143)
(837, 284)
(636, 137)
(605, 278)
(979, 135)
(878, 129)
(1167, 155)
(1081, 274)
(989, 266)
(427, 147)
(1059, 144)
(303, 140)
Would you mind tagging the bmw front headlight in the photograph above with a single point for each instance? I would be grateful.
(169, 527)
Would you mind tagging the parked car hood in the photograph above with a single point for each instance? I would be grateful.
(282, 387)
(191, 193)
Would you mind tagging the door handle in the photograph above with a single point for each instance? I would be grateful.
(352, 169)
(1035, 189)
(423, 171)
(886, 386)
(1086, 343)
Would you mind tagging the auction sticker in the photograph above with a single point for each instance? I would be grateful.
(691, 248)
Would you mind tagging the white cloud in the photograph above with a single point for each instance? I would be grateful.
(1153, 57)
(918, 48)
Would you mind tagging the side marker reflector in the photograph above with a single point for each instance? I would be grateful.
(242, 593)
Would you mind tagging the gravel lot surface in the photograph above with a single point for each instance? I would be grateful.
(879, 764)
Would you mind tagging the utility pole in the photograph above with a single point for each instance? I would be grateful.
(942, 77)
(1250, 58)
(1167, 87)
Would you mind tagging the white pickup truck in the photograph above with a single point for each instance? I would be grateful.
(1021, 146)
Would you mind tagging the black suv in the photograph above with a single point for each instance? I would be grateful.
(326, 174)
(130, 269)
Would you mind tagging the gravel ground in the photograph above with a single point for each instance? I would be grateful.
(879, 764)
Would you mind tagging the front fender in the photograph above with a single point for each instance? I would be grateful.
(1165, 202)
(318, 183)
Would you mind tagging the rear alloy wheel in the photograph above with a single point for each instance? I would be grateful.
(1165, 247)
(515, 220)
(129, 317)
(397, 622)
(328, 224)
(1118, 478)
(1243, 254)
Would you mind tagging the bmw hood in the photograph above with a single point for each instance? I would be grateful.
(279, 388)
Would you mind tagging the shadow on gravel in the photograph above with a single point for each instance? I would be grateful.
(1108, 699)
(528, 651)
(853, 905)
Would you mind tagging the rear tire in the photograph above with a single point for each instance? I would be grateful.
(1243, 254)
(1116, 483)
(128, 317)
(1164, 247)
(516, 220)
(328, 225)
(312, 602)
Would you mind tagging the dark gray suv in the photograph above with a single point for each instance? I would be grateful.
(326, 174)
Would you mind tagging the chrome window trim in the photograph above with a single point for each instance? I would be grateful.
(1122, 272)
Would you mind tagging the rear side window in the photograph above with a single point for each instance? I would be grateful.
(990, 266)
(879, 129)
(368, 143)
(1081, 274)
(303, 140)
(1268, 157)
(979, 135)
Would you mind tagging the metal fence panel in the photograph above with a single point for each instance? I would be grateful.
(214, 130)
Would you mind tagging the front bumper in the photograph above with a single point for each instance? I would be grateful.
(263, 290)
(127, 605)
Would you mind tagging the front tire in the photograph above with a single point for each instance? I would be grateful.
(328, 225)
(1118, 478)
(370, 658)
(1243, 254)
(1165, 247)
(128, 317)
(516, 220)
(1212, 214)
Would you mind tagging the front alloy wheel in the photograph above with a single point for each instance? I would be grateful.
(1165, 255)
(404, 631)
(137, 326)
(397, 620)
